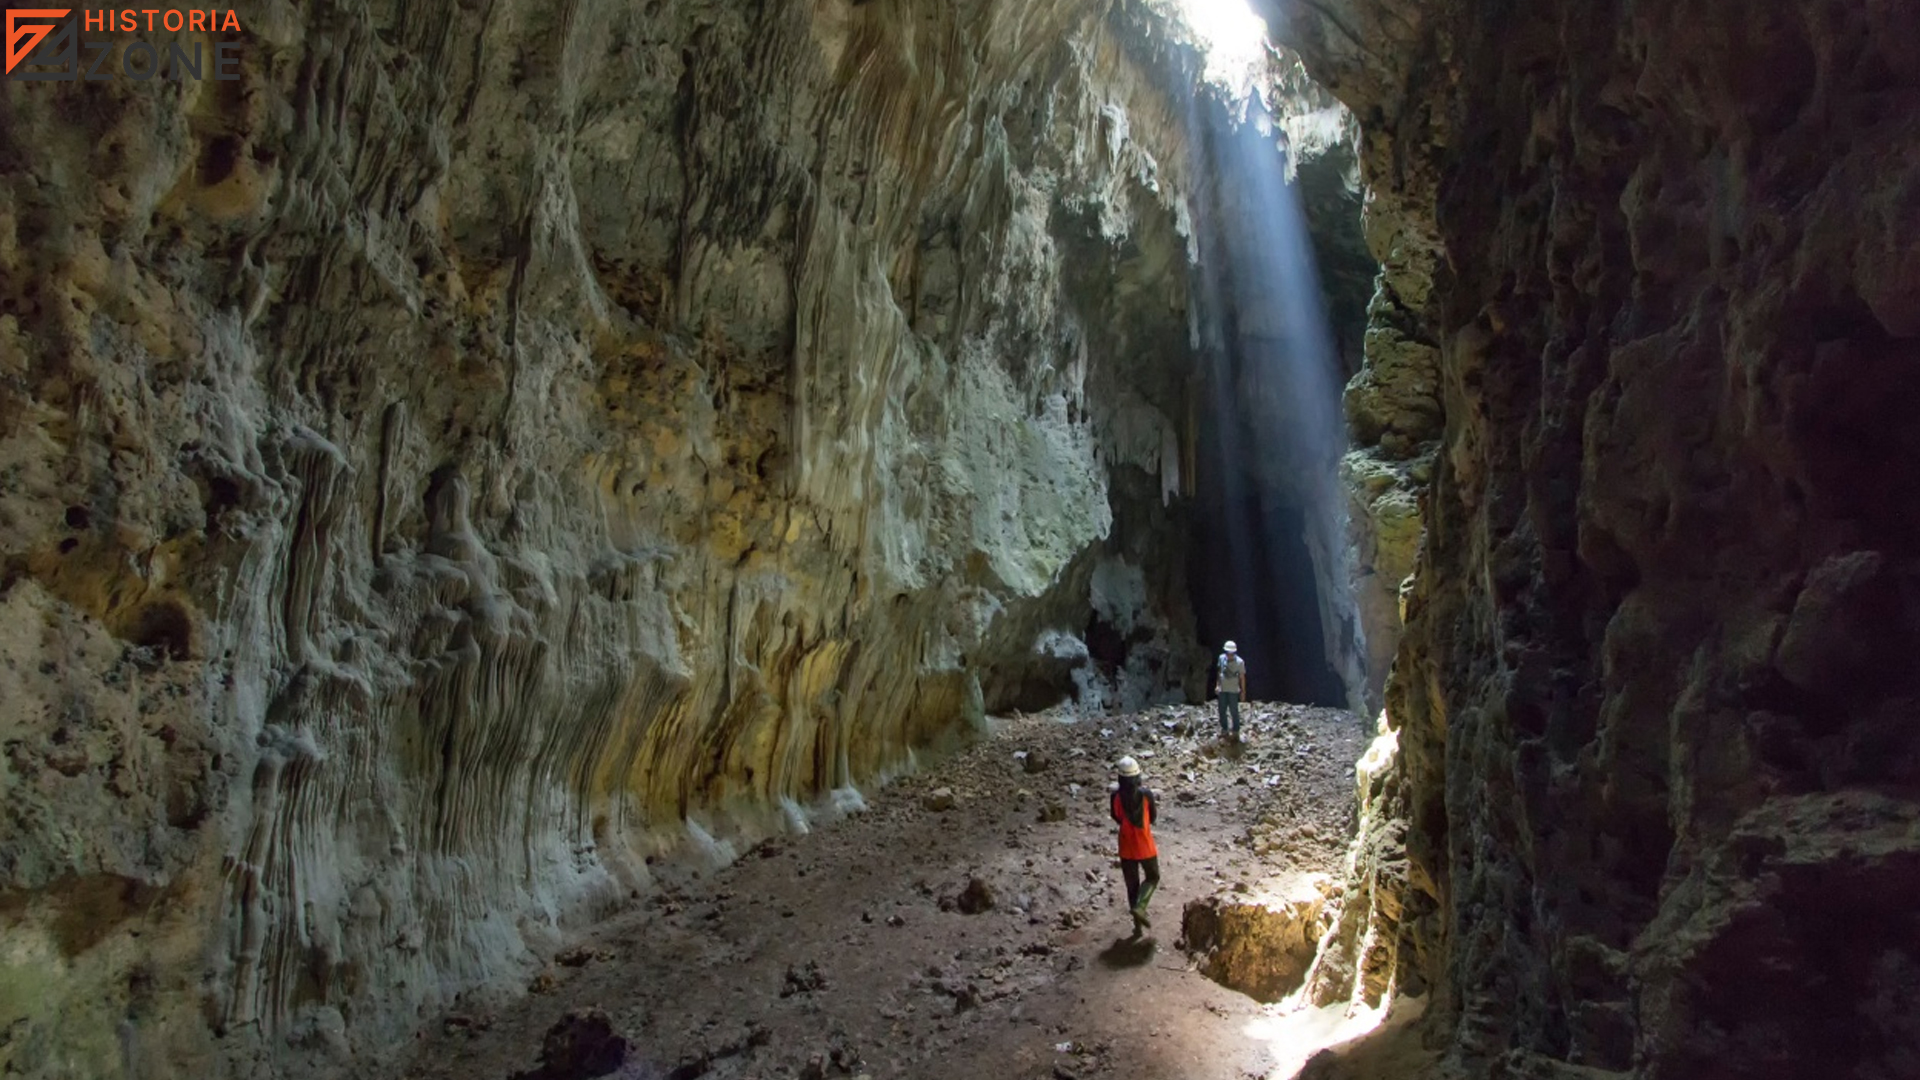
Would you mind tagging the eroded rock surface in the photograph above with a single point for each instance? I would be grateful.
(1357, 961)
(1261, 947)
(1656, 266)
(485, 437)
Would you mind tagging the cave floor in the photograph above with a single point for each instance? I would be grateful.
(843, 953)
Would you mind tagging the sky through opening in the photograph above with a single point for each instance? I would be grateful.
(1233, 38)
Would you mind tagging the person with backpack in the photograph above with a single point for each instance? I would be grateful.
(1133, 808)
(1230, 682)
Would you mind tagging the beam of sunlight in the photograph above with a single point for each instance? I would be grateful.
(1233, 38)
(1276, 426)
(1294, 1035)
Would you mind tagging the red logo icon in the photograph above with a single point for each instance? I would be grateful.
(22, 40)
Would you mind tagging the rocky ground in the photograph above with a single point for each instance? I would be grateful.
(969, 923)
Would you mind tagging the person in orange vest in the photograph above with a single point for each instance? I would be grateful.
(1133, 808)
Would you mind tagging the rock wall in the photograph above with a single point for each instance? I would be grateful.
(484, 437)
(1653, 704)
(1357, 959)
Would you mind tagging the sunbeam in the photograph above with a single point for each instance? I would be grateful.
(1275, 432)
(1233, 38)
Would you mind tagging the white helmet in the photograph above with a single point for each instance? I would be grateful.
(1128, 767)
(1231, 646)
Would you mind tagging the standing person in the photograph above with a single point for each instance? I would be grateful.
(1230, 681)
(1133, 809)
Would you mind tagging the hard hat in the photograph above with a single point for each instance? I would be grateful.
(1128, 767)
(1231, 646)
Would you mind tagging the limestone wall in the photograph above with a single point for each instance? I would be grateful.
(486, 435)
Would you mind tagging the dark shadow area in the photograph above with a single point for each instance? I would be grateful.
(1127, 953)
(1271, 610)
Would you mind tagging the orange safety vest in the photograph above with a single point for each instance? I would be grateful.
(1135, 843)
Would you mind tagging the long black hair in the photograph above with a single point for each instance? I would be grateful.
(1133, 801)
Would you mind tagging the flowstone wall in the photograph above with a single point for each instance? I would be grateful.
(483, 437)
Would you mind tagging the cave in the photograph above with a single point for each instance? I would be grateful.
(636, 540)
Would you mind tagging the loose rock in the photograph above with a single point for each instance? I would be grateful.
(803, 979)
(975, 898)
(582, 1045)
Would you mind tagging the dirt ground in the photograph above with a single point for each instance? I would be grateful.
(847, 952)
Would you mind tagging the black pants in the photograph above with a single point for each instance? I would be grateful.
(1130, 869)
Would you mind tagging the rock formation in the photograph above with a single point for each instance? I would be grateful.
(485, 447)
(1260, 947)
(1357, 958)
(1655, 267)
(481, 437)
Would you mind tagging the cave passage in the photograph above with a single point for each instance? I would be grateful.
(967, 921)
(1265, 554)
(1270, 607)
